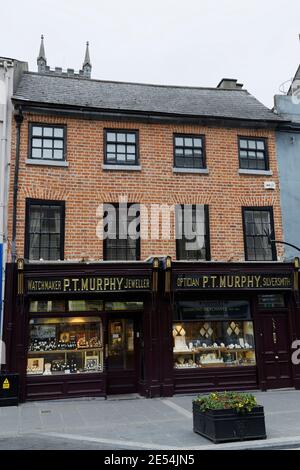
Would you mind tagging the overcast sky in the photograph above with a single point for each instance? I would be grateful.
(181, 42)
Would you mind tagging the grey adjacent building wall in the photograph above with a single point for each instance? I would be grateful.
(288, 157)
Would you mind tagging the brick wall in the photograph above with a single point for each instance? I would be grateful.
(84, 185)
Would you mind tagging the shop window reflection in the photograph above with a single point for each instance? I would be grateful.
(213, 344)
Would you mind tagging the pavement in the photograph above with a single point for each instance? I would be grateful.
(133, 423)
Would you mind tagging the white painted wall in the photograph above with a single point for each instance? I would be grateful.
(6, 91)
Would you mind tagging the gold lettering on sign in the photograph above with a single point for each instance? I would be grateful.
(84, 284)
(66, 284)
(234, 281)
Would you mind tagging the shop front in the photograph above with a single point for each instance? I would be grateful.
(81, 329)
(233, 325)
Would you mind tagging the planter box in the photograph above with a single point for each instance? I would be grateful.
(229, 425)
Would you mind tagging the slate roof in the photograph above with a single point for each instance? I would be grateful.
(135, 97)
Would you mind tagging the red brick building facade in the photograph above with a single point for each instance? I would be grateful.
(159, 323)
(84, 184)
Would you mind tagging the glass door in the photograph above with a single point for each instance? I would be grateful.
(123, 351)
(121, 344)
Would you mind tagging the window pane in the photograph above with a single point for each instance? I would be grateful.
(44, 227)
(198, 142)
(243, 144)
(111, 148)
(121, 157)
(260, 145)
(58, 132)
(121, 148)
(252, 144)
(111, 137)
(258, 227)
(47, 153)
(47, 143)
(36, 153)
(188, 142)
(122, 248)
(111, 156)
(65, 345)
(36, 130)
(58, 144)
(208, 343)
(58, 154)
(130, 149)
(36, 142)
(48, 132)
(121, 137)
(271, 301)
(131, 138)
(131, 157)
(179, 141)
(191, 232)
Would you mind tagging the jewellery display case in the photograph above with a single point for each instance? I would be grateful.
(65, 346)
(213, 344)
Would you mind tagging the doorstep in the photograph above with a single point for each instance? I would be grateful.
(125, 396)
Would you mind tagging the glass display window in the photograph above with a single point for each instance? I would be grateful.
(65, 346)
(270, 301)
(216, 340)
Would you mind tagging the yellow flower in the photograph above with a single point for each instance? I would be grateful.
(240, 405)
(214, 396)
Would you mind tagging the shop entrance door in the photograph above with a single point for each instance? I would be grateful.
(276, 353)
(123, 355)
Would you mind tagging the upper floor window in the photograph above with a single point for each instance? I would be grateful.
(47, 142)
(192, 232)
(253, 153)
(189, 151)
(121, 147)
(121, 225)
(44, 230)
(258, 227)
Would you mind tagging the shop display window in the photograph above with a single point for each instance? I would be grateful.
(61, 306)
(65, 346)
(124, 306)
(269, 301)
(213, 334)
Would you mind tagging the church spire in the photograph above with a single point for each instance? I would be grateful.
(41, 60)
(87, 66)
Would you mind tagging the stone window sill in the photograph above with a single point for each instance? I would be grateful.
(122, 167)
(198, 171)
(255, 172)
(32, 161)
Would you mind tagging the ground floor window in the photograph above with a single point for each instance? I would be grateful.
(68, 345)
(213, 334)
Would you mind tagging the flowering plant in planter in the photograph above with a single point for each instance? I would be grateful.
(241, 402)
(228, 416)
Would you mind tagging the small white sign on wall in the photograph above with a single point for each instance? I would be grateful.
(269, 185)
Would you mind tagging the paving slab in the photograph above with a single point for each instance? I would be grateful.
(159, 423)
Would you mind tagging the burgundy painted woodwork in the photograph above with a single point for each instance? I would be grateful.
(276, 349)
(154, 374)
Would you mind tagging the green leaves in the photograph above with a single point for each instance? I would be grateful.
(241, 402)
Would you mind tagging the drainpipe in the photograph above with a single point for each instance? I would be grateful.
(19, 119)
